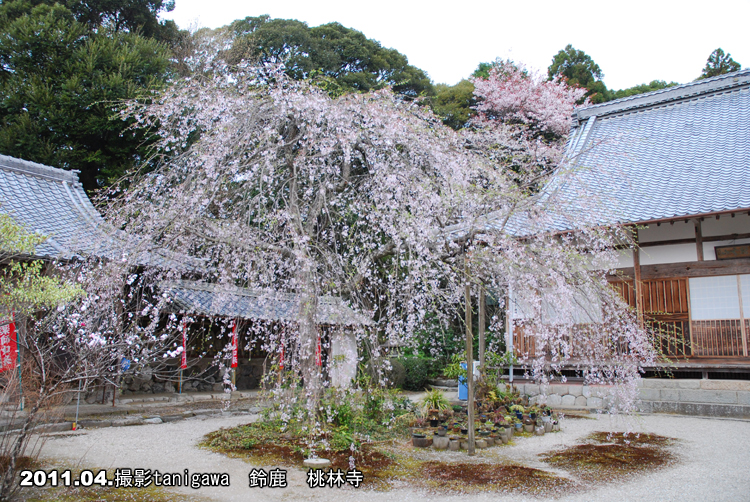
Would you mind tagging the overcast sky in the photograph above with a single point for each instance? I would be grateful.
(632, 41)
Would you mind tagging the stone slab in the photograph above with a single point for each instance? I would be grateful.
(581, 401)
(568, 400)
(669, 395)
(575, 390)
(738, 385)
(648, 394)
(709, 396)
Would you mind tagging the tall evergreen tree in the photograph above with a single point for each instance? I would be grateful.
(61, 83)
(719, 63)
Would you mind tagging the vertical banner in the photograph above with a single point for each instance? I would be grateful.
(281, 357)
(318, 354)
(183, 362)
(8, 346)
(234, 345)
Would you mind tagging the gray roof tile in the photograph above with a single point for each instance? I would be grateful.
(52, 202)
(230, 301)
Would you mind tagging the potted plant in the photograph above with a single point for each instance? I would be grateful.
(518, 410)
(433, 403)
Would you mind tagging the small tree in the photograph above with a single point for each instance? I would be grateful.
(75, 323)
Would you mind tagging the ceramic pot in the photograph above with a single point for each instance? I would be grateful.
(547, 426)
(528, 427)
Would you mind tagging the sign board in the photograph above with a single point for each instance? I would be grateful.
(125, 364)
(234, 346)
(732, 252)
(8, 347)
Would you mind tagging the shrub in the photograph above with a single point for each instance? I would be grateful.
(417, 372)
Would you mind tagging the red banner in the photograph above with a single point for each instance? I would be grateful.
(318, 354)
(8, 348)
(281, 357)
(183, 363)
(234, 346)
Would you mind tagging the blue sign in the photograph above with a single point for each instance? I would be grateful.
(125, 364)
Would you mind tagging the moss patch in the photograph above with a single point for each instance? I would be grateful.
(472, 477)
(615, 456)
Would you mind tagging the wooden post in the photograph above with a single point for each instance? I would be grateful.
(698, 239)
(469, 368)
(481, 326)
(637, 285)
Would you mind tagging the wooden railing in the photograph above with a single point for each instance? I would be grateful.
(719, 338)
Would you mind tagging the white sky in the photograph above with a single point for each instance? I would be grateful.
(633, 41)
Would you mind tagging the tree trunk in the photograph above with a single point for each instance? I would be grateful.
(309, 340)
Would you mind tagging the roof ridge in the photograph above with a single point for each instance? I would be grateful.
(683, 91)
(36, 169)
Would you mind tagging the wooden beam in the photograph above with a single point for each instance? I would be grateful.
(691, 240)
(699, 238)
(481, 326)
(469, 368)
(685, 269)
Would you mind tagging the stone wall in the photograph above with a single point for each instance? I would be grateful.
(202, 375)
(714, 398)
(566, 395)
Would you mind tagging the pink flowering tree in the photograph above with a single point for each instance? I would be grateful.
(513, 94)
(278, 187)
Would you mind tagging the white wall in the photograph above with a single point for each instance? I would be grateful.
(344, 354)
(677, 253)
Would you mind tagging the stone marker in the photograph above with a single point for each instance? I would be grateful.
(480, 443)
(317, 463)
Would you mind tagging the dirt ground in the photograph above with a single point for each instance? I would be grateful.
(713, 461)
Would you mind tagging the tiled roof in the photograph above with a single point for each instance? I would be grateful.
(52, 202)
(671, 153)
(677, 152)
(234, 302)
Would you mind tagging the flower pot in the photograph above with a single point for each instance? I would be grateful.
(442, 431)
(545, 418)
(518, 427)
(464, 431)
(528, 427)
(422, 442)
(539, 431)
(547, 426)
(434, 422)
(519, 415)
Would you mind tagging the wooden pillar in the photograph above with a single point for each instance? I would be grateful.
(481, 326)
(742, 319)
(637, 284)
(469, 368)
(698, 239)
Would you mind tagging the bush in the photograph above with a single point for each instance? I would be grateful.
(395, 374)
(418, 370)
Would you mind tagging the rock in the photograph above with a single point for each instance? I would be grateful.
(157, 388)
(480, 443)
(169, 388)
(155, 420)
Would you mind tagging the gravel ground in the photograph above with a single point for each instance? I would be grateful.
(714, 460)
